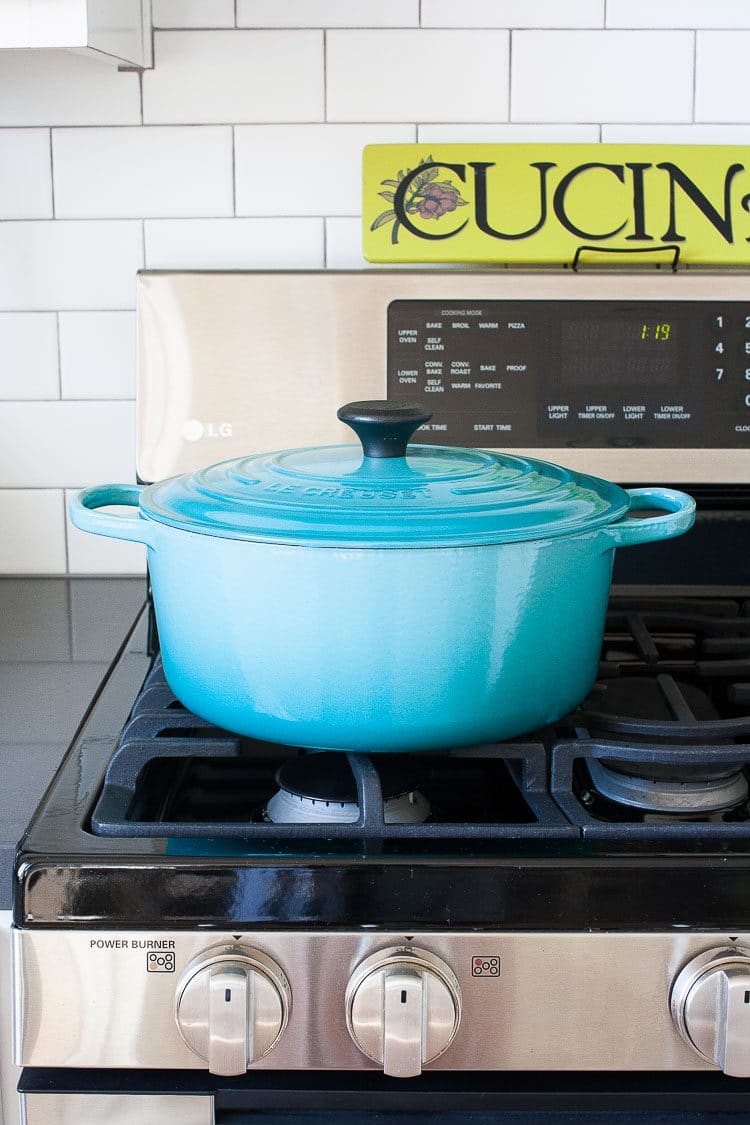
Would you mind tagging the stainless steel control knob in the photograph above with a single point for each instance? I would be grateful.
(403, 1007)
(231, 1007)
(710, 1005)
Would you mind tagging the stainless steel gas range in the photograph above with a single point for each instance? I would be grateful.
(221, 930)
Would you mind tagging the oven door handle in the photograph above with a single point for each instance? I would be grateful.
(86, 514)
(677, 516)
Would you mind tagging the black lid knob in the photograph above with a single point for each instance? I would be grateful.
(384, 428)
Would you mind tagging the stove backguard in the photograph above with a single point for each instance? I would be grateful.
(635, 377)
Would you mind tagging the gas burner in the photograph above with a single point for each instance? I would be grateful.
(320, 789)
(675, 791)
(646, 713)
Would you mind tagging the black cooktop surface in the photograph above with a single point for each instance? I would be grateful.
(630, 812)
(657, 751)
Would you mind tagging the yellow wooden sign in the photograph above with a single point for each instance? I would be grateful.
(539, 203)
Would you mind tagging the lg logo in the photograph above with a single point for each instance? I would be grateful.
(193, 430)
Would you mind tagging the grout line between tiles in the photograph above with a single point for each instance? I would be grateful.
(325, 244)
(370, 122)
(171, 124)
(67, 400)
(68, 591)
(234, 173)
(170, 219)
(67, 545)
(448, 27)
(52, 173)
(87, 309)
(510, 74)
(695, 69)
(59, 357)
(97, 400)
(457, 27)
(57, 487)
(153, 45)
(325, 74)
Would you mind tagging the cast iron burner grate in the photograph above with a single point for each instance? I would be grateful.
(661, 746)
(670, 714)
(175, 776)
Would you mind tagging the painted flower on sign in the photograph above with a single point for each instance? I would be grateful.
(438, 200)
(425, 196)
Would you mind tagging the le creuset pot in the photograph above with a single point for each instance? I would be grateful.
(382, 598)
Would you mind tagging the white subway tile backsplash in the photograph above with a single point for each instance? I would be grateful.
(344, 244)
(417, 75)
(251, 158)
(344, 249)
(193, 13)
(132, 172)
(33, 539)
(62, 88)
(508, 133)
(512, 13)
(269, 160)
(234, 76)
(602, 76)
(721, 87)
(96, 554)
(69, 265)
(234, 243)
(97, 354)
(25, 174)
(66, 444)
(677, 134)
(28, 351)
(328, 13)
(678, 13)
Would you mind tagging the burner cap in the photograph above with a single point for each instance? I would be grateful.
(320, 788)
(679, 796)
(328, 777)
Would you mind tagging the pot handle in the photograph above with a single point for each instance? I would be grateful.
(679, 509)
(85, 514)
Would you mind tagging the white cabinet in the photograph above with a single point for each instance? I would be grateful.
(119, 30)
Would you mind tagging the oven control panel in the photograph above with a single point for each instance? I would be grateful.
(550, 374)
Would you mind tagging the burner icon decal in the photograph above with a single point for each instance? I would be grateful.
(160, 962)
(485, 966)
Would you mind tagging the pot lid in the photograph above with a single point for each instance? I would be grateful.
(384, 492)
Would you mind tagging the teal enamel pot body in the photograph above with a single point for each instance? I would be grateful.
(394, 617)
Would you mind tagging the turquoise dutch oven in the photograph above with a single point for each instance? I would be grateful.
(382, 598)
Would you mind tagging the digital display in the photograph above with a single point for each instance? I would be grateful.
(637, 352)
